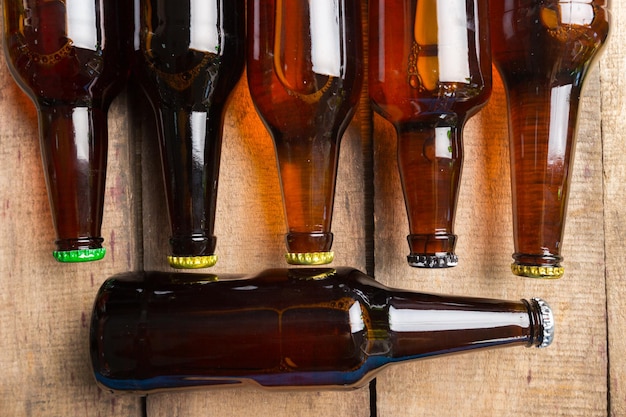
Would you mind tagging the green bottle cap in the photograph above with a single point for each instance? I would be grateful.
(79, 255)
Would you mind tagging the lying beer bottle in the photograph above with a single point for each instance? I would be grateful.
(543, 50)
(429, 72)
(71, 59)
(191, 56)
(305, 76)
(309, 328)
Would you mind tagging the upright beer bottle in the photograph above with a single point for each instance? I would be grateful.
(543, 51)
(283, 328)
(429, 72)
(191, 55)
(71, 58)
(305, 76)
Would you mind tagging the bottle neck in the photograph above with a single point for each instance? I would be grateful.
(190, 144)
(73, 142)
(430, 159)
(423, 325)
(308, 172)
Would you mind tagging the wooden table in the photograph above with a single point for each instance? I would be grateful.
(45, 306)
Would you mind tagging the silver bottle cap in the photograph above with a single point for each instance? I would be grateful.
(547, 322)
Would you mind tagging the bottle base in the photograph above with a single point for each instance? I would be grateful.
(79, 255)
(537, 271)
(312, 258)
(431, 261)
(192, 262)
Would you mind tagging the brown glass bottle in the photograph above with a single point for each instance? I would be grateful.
(190, 58)
(70, 57)
(287, 328)
(305, 77)
(543, 51)
(429, 72)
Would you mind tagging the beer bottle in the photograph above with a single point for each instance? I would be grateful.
(429, 72)
(190, 57)
(543, 50)
(304, 327)
(71, 59)
(305, 76)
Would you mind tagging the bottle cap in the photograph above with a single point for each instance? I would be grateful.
(537, 271)
(79, 255)
(192, 262)
(438, 260)
(313, 258)
(547, 322)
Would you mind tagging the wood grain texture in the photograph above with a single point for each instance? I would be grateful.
(613, 66)
(567, 379)
(250, 228)
(45, 306)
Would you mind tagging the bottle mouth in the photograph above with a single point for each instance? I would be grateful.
(82, 249)
(544, 266)
(311, 243)
(435, 250)
(193, 245)
(547, 323)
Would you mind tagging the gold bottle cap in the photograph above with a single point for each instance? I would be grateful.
(537, 271)
(312, 258)
(192, 262)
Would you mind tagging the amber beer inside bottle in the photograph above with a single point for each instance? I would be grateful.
(287, 328)
(429, 72)
(190, 58)
(304, 74)
(543, 51)
(70, 57)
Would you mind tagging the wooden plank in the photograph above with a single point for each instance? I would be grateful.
(567, 379)
(45, 306)
(250, 229)
(613, 66)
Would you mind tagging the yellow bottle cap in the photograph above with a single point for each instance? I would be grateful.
(192, 262)
(537, 271)
(312, 258)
